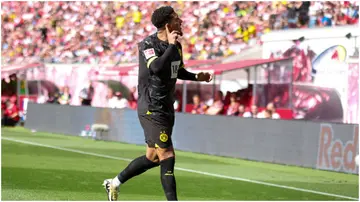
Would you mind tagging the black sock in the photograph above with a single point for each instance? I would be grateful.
(168, 178)
(136, 167)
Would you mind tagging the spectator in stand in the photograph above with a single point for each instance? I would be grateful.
(233, 109)
(111, 99)
(325, 19)
(108, 32)
(134, 93)
(11, 115)
(121, 101)
(292, 15)
(269, 111)
(86, 94)
(198, 106)
(4, 99)
(53, 98)
(271, 107)
(253, 113)
(227, 98)
(267, 114)
(65, 96)
(244, 96)
(208, 98)
(132, 102)
(241, 110)
(218, 106)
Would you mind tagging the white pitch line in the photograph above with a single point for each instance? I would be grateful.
(184, 169)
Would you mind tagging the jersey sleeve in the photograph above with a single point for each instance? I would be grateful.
(148, 52)
(154, 58)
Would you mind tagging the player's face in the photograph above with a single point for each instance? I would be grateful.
(175, 23)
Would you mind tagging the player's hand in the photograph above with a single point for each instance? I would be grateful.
(204, 76)
(173, 36)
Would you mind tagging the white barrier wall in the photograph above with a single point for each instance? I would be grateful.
(324, 146)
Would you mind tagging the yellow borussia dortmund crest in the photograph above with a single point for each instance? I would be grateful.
(163, 137)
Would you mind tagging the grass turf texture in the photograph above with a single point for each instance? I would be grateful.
(38, 173)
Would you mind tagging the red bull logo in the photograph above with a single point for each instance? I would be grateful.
(334, 154)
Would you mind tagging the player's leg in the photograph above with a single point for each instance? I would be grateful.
(167, 164)
(166, 155)
(136, 166)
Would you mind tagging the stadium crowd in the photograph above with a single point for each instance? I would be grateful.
(232, 104)
(108, 32)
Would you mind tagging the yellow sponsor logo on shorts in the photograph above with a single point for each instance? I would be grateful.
(163, 137)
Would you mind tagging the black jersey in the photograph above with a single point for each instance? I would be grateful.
(160, 64)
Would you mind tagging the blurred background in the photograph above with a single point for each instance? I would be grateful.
(280, 59)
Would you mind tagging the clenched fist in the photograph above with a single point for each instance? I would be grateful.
(204, 76)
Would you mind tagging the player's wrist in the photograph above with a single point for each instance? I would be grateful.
(172, 45)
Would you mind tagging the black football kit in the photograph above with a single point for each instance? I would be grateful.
(160, 65)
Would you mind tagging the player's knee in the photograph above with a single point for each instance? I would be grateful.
(152, 155)
(154, 159)
(165, 153)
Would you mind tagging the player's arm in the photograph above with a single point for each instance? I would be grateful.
(154, 60)
(183, 74)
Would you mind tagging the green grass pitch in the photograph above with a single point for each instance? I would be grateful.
(43, 166)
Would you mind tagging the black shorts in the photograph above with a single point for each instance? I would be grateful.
(157, 130)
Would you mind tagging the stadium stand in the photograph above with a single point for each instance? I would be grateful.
(107, 32)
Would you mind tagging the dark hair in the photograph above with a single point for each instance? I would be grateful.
(269, 112)
(161, 16)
